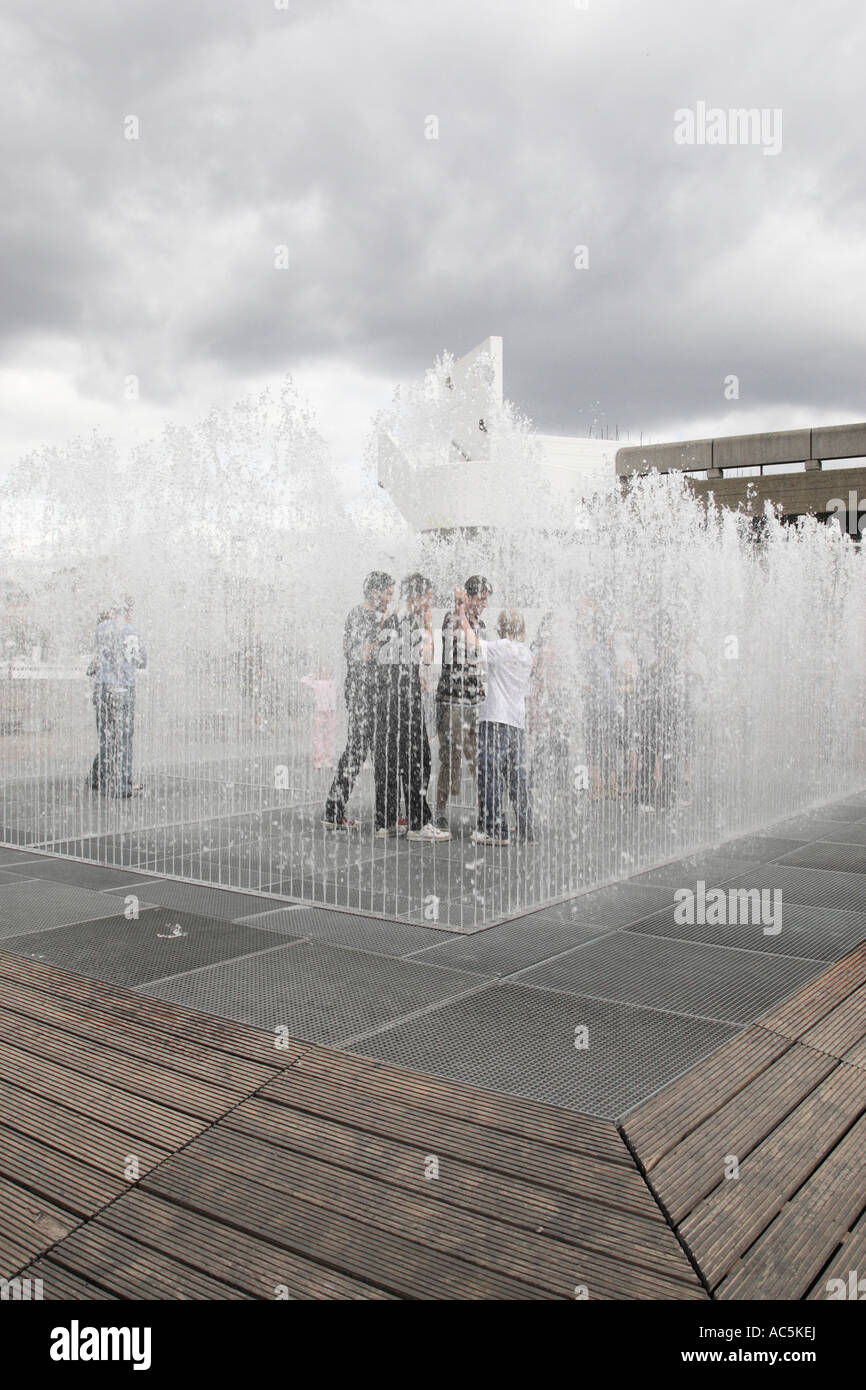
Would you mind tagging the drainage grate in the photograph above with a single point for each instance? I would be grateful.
(850, 809)
(759, 847)
(7, 876)
(804, 828)
(132, 952)
(730, 986)
(614, 906)
(513, 946)
(818, 933)
(342, 929)
(17, 858)
(320, 993)
(36, 906)
(222, 904)
(683, 873)
(812, 887)
(853, 834)
(835, 857)
(522, 1042)
(93, 876)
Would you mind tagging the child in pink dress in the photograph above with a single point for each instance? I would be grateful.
(324, 716)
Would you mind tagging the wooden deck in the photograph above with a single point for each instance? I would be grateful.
(786, 1101)
(150, 1152)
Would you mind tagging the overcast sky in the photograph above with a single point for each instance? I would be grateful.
(307, 127)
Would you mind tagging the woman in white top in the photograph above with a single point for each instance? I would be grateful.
(501, 733)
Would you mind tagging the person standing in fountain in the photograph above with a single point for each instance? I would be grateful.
(460, 691)
(402, 749)
(501, 736)
(361, 638)
(118, 655)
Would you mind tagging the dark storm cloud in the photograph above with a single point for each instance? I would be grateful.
(306, 127)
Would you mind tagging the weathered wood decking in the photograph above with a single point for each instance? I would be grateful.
(149, 1152)
(759, 1153)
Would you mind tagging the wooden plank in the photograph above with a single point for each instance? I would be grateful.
(255, 1266)
(136, 1039)
(738, 1211)
(79, 1187)
(695, 1167)
(819, 997)
(96, 1098)
(31, 1222)
(796, 1247)
(646, 1242)
(59, 1284)
(581, 1174)
(851, 1255)
(843, 1028)
(136, 1271)
(513, 1115)
(107, 1147)
(663, 1121)
(494, 1242)
(174, 1020)
(394, 1263)
(136, 1075)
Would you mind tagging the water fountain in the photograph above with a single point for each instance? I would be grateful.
(687, 678)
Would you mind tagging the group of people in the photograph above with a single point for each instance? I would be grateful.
(480, 711)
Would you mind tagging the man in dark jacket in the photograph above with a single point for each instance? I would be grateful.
(361, 638)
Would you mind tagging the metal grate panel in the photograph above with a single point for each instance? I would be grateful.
(35, 906)
(804, 828)
(759, 847)
(729, 986)
(842, 810)
(16, 858)
(818, 933)
(835, 857)
(522, 1042)
(7, 876)
(679, 873)
(222, 904)
(343, 929)
(132, 952)
(812, 887)
(852, 834)
(513, 946)
(615, 906)
(320, 993)
(93, 876)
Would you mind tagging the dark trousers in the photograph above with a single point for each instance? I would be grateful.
(501, 765)
(402, 758)
(359, 742)
(115, 724)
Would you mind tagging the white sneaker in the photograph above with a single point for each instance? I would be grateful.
(429, 832)
(478, 837)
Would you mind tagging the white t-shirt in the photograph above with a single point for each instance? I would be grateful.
(509, 666)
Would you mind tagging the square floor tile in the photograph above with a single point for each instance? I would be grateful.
(133, 952)
(35, 905)
(819, 933)
(522, 1042)
(320, 993)
(711, 982)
